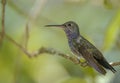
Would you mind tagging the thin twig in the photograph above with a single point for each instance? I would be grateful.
(2, 20)
(41, 51)
(49, 51)
(34, 13)
(54, 52)
(18, 45)
(26, 35)
(115, 63)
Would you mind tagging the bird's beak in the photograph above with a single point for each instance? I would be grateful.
(62, 26)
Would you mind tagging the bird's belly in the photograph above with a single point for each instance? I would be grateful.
(75, 52)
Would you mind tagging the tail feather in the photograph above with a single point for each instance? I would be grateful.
(108, 66)
(97, 66)
(105, 64)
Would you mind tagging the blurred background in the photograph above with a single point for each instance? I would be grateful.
(98, 20)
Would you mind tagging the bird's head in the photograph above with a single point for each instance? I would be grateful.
(70, 27)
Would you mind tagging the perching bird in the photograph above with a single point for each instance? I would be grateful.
(82, 47)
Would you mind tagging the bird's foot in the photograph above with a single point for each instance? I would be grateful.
(84, 64)
(77, 61)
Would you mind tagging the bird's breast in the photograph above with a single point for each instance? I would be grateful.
(73, 47)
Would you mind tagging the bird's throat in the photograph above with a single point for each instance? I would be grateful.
(71, 35)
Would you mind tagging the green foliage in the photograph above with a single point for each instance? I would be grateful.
(112, 32)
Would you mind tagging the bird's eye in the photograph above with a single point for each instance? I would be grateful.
(69, 25)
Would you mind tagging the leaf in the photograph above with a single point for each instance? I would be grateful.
(112, 32)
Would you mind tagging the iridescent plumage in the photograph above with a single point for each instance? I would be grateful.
(82, 47)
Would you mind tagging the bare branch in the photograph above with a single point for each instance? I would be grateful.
(18, 45)
(41, 51)
(50, 51)
(54, 52)
(36, 9)
(73, 59)
(34, 13)
(115, 63)
(3, 20)
(26, 35)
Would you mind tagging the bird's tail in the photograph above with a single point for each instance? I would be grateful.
(97, 66)
(105, 64)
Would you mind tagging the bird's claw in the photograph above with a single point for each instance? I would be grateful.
(84, 64)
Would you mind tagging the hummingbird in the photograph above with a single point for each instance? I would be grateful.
(82, 47)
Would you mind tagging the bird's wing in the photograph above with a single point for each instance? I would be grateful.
(97, 55)
(86, 49)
